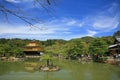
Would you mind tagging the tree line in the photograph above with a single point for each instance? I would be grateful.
(73, 48)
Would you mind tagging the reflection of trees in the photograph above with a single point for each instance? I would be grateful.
(6, 67)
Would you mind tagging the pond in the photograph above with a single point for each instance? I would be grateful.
(70, 70)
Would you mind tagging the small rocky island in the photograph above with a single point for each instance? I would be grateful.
(49, 67)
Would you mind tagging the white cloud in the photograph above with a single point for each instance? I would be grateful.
(53, 29)
(107, 19)
(41, 29)
(72, 22)
(113, 8)
(91, 33)
(18, 1)
(68, 22)
(14, 1)
(48, 30)
(22, 30)
(105, 23)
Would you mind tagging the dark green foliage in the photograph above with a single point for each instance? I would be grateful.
(98, 46)
(87, 39)
(108, 39)
(74, 47)
(117, 34)
(12, 47)
(77, 49)
(51, 42)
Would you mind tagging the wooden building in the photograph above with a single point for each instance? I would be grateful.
(33, 49)
(115, 48)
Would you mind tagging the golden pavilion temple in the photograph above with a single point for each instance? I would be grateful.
(33, 49)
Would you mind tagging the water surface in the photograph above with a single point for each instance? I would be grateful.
(70, 70)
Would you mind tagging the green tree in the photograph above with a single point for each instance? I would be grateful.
(47, 58)
(78, 48)
(108, 39)
(98, 46)
(2, 50)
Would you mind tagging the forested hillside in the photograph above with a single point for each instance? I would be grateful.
(71, 48)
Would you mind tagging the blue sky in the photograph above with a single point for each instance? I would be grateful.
(66, 19)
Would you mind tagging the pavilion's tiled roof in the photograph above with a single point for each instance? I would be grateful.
(33, 46)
